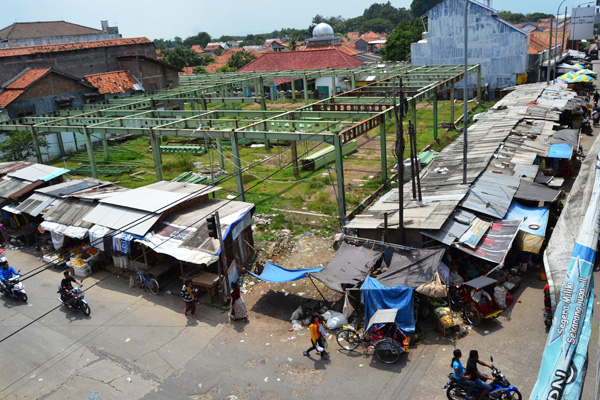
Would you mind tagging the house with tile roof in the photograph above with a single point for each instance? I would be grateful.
(115, 84)
(307, 59)
(43, 90)
(99, 55)
(151, 73)
(22, 34)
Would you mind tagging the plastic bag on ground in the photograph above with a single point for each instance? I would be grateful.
(336, 321)
(500, 296)
(296, 325)
(296, 315)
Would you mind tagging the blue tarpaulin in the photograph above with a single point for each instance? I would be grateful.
(535, 219)
(560, 150)
(275, 273)
(375, 297)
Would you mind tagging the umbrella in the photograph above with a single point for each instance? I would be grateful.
(579, 66)
(582, 78)
(586, 72)
(568, 76)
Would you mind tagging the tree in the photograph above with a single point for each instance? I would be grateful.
(19, 146)
(181, 57)
(199, 70)
(378, 25)
(201, 39)
(420, 7)
(239, 59)
(293, 44)
(397, 47)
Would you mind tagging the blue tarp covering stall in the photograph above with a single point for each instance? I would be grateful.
(560, 150)
(275, 273)
(535, 219)
(375, 297)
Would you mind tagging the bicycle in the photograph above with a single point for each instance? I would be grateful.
(142, 278)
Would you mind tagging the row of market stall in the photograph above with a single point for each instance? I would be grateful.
(85, 223)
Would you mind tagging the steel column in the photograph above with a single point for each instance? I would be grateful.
(333, 91)
(435, 117)
(339, 169)
(155, 155)
(36, 144)
(294, 149)
(220, 152)
(293, 88)
(353, 80)
(61, 145)
(105, 146)
(383, 142)
(305, 87)
(479, 84)
(237, 166)
(90, 151)
(452, 103)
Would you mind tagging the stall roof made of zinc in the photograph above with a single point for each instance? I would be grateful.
(454, 227)
(37, 172)
(69, 187)
(136, 222)
(491, 194)
(157, 197)
(70, 212)
(35, 204)
(10, 186)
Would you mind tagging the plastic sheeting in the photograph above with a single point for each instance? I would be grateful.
(349, 267)
(71, 231)
(376, 296)
(560, 150)
(275, 273)
(411, 268)
(495, 243)
(535, 218)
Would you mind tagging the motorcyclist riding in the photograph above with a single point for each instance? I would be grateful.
(477, 376)
(67, 285)
(6, 273)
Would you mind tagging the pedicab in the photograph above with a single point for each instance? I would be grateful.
(382, 334)
(473, 299)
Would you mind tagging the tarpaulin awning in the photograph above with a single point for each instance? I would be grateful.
(376, 296)
(475, 232)
(535, 219)
(536, 192)
(411, 268)
(274, 273)
(560, 150)
(76, 232)
(568, 136)
(495, 243)
(349, 267)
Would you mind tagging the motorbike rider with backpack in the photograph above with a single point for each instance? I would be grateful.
(67, 285)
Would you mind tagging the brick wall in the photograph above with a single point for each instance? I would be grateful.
(74, 62)
(154, 76)
(53, 85)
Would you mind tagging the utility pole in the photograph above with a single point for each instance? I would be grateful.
(465, 94)
(399, 150)
(549, 54)
(214, 231)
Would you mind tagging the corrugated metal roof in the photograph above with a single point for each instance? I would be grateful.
(69, 187)
(38, 172)
(35, 204)
(136, 222)
(454, 227)
(526, 171)
(183, 187)
(491, 194)
(10, 186)
(70, 212)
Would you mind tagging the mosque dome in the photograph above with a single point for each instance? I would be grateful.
(322, 30)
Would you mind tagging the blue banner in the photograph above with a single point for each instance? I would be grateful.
(563, 368)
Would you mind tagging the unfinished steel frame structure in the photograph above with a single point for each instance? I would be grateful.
(334, 120)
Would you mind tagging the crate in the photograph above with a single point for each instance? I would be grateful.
(82, 271)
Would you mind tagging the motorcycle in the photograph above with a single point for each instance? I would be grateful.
(501, 388)
(78, 302)
(586, 127)
(14, 287)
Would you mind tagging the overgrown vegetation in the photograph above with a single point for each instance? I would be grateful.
(19, 146)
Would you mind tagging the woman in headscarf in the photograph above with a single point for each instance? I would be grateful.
(238, 306)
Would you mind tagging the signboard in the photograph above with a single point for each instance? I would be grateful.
(583, 23)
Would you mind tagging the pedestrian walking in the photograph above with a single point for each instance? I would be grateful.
(596, 98)
(314, 337)
(323, 336)
(190, 300)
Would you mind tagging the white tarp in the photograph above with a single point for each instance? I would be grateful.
(70, 231)
(560, 245)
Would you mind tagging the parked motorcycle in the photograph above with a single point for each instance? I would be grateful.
(586, 127)
(78, 302)
(13, 287)
(548, 316)
(501, 388)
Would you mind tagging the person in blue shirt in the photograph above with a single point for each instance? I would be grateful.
(459, 372)
(6, 272)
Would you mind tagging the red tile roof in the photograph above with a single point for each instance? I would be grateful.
(536, 45)
(544, 37)
(340, 47)
(113, 82)
(187, 71)
(8, 96)
(296, 60)
(53, 48)
(198, 49)
(213, 47)
(26, 79)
